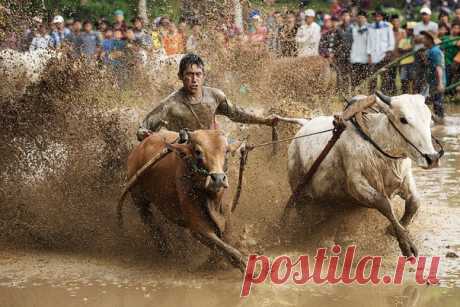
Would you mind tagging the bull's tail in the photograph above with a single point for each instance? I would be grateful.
(299, 121)
(120, 207)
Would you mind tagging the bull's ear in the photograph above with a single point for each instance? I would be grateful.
(232, 148)
(182, 150)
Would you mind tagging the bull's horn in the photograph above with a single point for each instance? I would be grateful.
(386, 99)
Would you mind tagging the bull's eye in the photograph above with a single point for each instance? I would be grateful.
(403, 120)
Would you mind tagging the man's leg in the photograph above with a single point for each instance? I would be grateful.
(438, 105)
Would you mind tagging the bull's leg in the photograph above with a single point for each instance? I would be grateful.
(369, 197)
(412, 203)
(211, 240)
(143, 205)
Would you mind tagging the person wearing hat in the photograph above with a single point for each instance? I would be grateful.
(380, 47)
(119, 18)
(61, 33)
(358, 54)
(407, 66)
(308, 35)
(424, 25)
(435, 75)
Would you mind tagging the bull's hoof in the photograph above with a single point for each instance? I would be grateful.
(408, 248)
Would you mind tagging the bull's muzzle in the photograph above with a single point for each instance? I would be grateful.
(432, 160)
(216, 181)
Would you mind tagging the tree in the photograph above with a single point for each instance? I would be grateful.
(142, 10)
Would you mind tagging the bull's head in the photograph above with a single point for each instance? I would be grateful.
(207, 152)
(410, 115)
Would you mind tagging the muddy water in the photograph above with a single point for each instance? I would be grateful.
(44, 278)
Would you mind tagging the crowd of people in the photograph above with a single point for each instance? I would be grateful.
(356, 42)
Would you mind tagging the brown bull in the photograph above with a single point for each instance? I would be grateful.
(187, 186)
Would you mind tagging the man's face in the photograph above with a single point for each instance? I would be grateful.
(426, 17)
(427, 42)
(108, 34)
(456, 30)
(196, 29)
(457, 13)
(361, 20)
(119, 18)
(378, 18)
(88, 27)
(346, 18)
(182, 26)
(59, 25)
(192, 79)
(396, 23)
(309, 20)
(165, 23)
(138, 25)
(76, 27)
(291, 18)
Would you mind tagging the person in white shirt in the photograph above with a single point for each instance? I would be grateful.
(424, 25)
(308, 36)
(380, 46)
(358, 54)
(41, 40)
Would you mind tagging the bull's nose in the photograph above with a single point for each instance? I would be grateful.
(219, 179)
(432, 159)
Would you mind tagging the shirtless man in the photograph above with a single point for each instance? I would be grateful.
(195, 106)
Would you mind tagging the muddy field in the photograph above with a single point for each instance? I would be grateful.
(63, 169)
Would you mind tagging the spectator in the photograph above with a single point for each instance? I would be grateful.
(344, 49)
(120, 24)
(399, 34)
(41, 39)
(329, 42)
(451, 49)
(327, 24)
(444, 19)
(88, 43)
(380, 47)
(75, 32)
(457, 15)
(142, 38)
(274, 29)
(435, 72)
(173, 41)
(156, 37)
(308, 36)
(443, 31)
(358, 54)
(259, 36)
(407, 65)
(107, 46)
(287, 36)
(195, 40)
(60, 33)
(425, 25)
(335, 8)
(102, 26)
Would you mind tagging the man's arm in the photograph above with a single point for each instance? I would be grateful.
(238, 114)
(152, 122)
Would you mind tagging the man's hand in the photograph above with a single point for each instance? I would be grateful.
(272, 120)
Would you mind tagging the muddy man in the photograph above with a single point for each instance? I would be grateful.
(195, 106)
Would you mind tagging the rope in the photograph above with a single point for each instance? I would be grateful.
(250, 147)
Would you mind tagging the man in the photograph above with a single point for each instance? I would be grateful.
(451, 49)
(380, 46)
(120, 24)
(407, 65)
(61, 33)
(399, 34)
(358, 54)
(87, 43)
(435, 75)
(141, 36)
(329, 42)
(308, 35)
(195, 106)
(425, 25)
(288, 34)
(344, 49)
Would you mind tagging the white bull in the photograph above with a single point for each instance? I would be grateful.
(356, 173)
